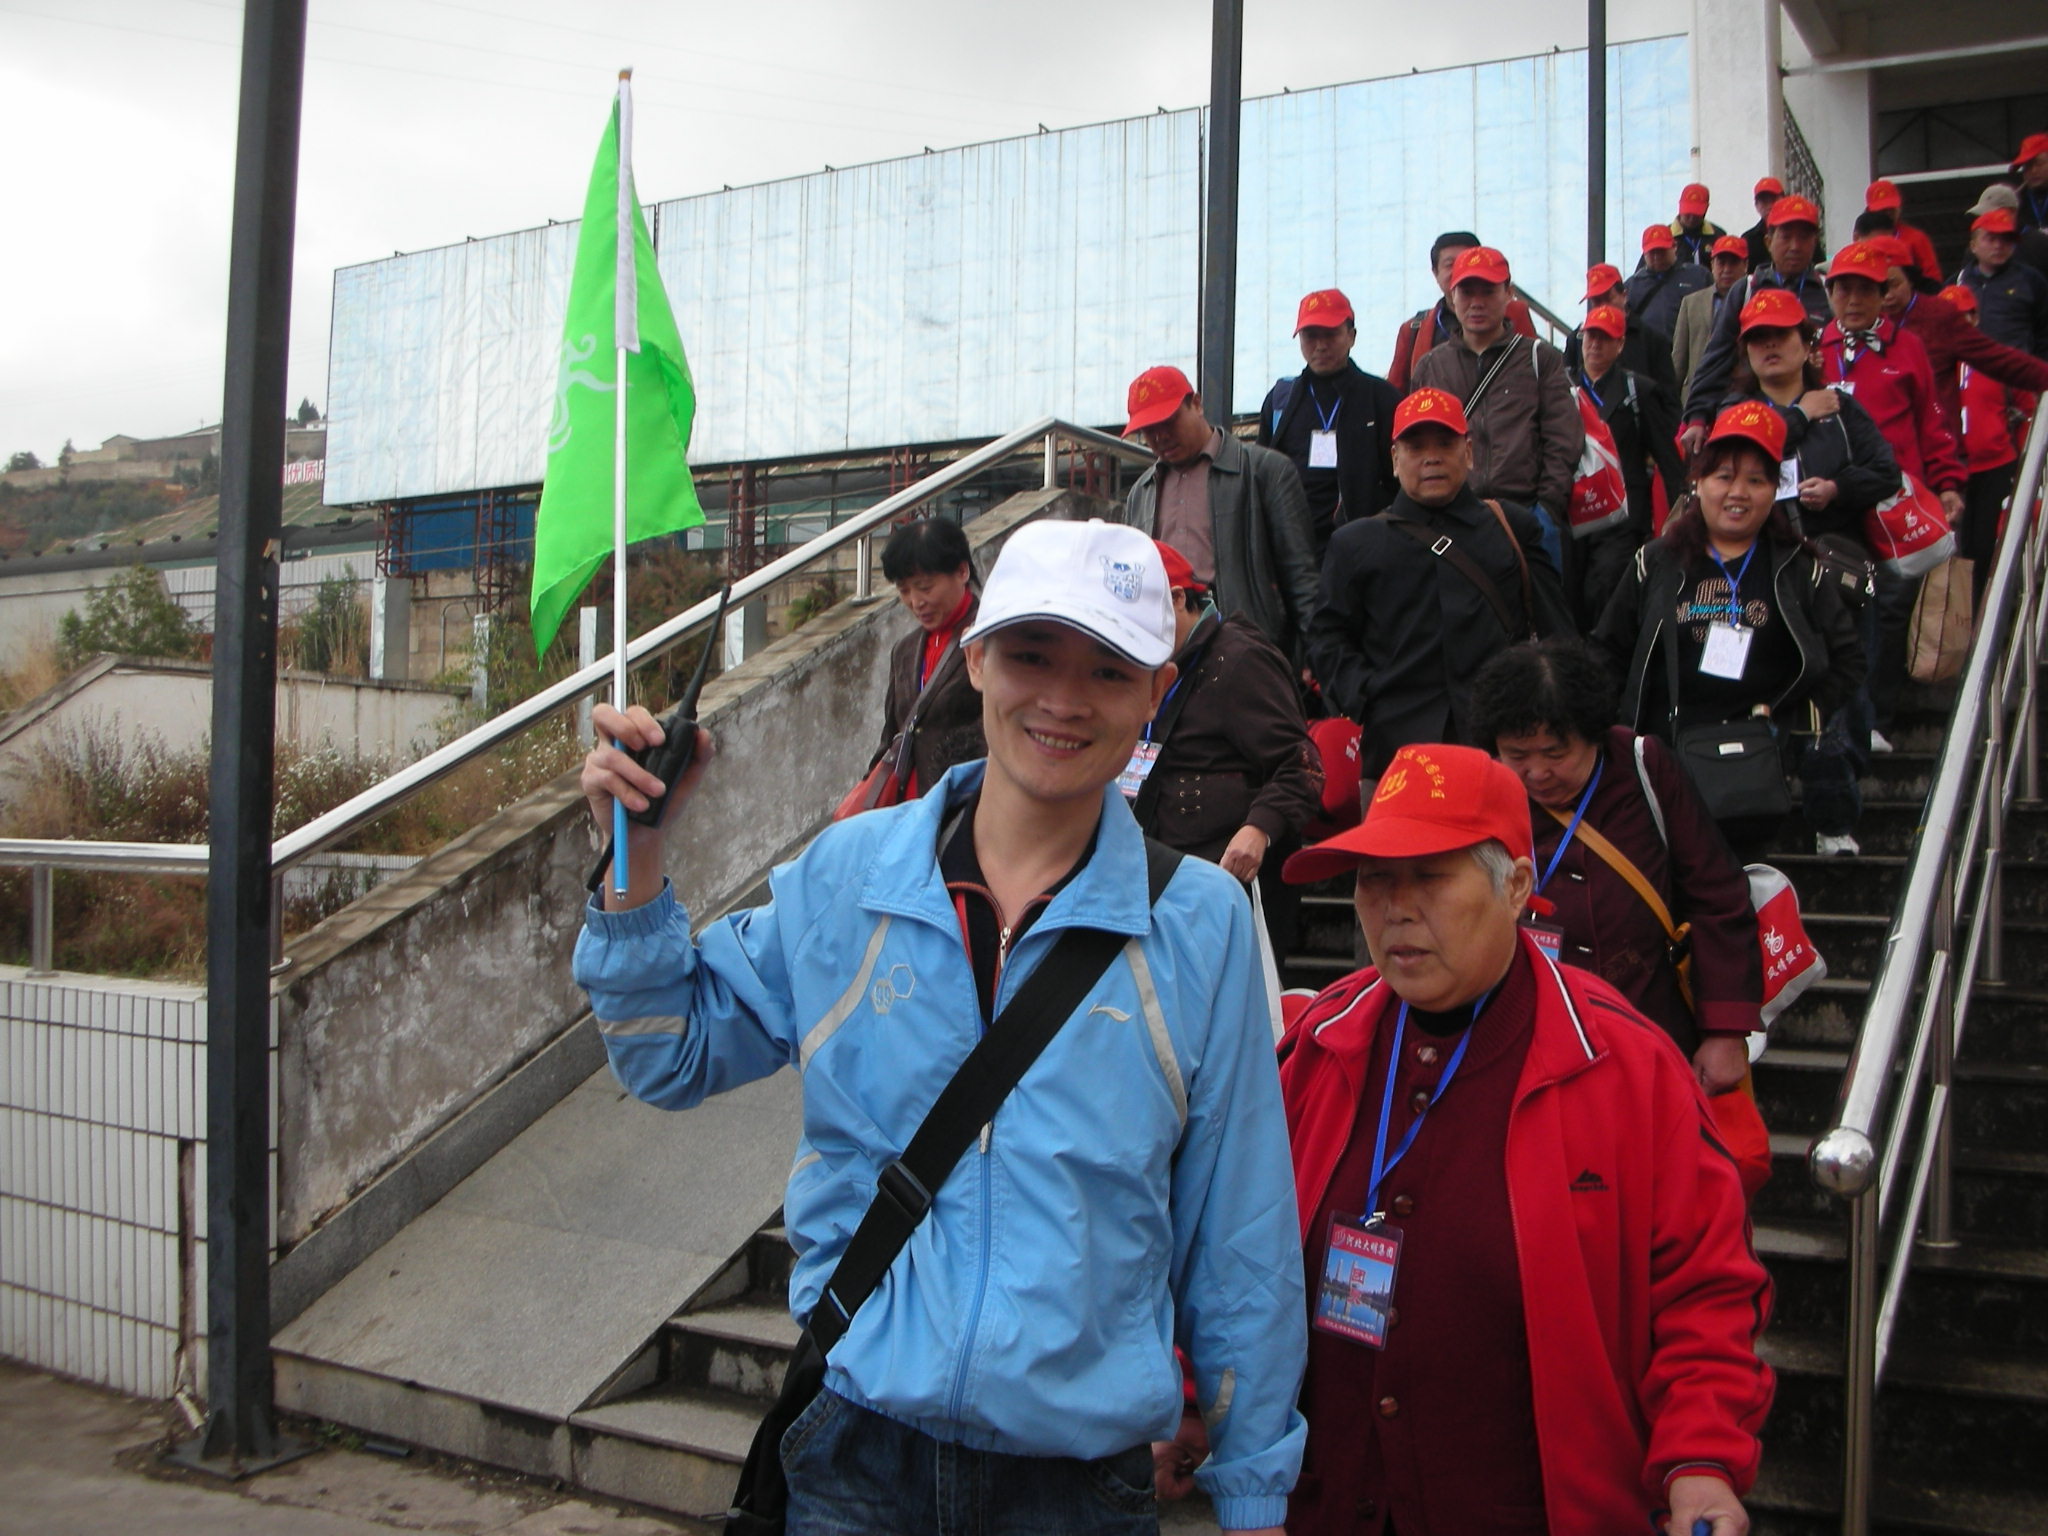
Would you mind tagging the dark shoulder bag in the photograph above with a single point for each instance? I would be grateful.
(1735, 765)
(903, 1193)
(1444, 547)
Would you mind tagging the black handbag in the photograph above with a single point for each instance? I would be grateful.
(1735, 764)
(903, 1193)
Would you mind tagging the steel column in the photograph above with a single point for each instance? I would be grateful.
(1940, 1229)
(1596, 132)
(240, 1431)
(1998, 775)
(42, 920)
(1859, 1367)
(1052, 443)
(1217, 364)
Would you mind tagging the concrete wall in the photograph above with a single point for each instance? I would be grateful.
(406, 1007)
(173, 701)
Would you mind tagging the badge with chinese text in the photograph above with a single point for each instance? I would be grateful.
(1355, 1296)
(1138, 769)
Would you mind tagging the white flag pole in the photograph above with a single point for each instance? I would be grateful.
(626, 324)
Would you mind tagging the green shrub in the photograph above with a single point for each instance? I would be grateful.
(132, 615)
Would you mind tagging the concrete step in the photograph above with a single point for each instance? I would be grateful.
(1997, 1106)
(1799, 1495)
(1954, 1414)
(1870, 884)
(741, 1348)
(666, 1447)
(1986, 1293)
(1996, 1193)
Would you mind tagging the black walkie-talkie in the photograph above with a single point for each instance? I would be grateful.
(671, 759)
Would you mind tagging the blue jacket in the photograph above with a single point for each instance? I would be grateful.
(1134, 1192)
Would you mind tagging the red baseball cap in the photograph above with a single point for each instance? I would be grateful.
(1963, 298)
(1731, 245)
(1773, 309)
(1996, 221)
(1753, 421)
(1599, 280)
(1608, 321)
(1863, 259)
(1155, 395)
(1694, 199)
(1881, 195)
(1770, 184)
(1482, 262)
(1326, 307)
(1431, 799)
(2033, 144)
(1178, 572)
(1430, 408)
(1658, 237)
(1895, 251)
(1792, 210)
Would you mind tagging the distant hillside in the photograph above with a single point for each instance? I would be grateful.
(126, 512)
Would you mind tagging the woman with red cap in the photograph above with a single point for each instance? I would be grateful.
(1744, 636)
(1533, 1299)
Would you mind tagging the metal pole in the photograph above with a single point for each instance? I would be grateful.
(1051, 448)
(1992, 968)
(864, 567)
(1859, 1367)
(240, 1434)
(1216, 366)
(586, 653)
(2030, 721)
(42, 920)
(1596, 132)
(1940, 1229)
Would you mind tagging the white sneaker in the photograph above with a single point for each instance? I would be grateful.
(1829, 846)
(1878, 743)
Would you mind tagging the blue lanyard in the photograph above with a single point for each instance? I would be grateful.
(1578, 816)
(1162, 709)
(1734, 582)
(1587, 385)
(1330, 420)
(1382, 1165)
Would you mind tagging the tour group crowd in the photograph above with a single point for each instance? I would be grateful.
(1084, 1215)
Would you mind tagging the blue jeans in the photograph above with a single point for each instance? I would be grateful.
(854, 1472)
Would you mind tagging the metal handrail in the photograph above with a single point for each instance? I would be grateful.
(1545, 313)
(1989, 757)
(42, 855)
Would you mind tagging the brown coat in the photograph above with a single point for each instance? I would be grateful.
(1526, 433)
(1237, 753)
(949, 725)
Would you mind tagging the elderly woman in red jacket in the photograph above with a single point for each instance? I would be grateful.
(1535, 1301)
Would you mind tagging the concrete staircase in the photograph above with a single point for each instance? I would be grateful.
(1962, 1418)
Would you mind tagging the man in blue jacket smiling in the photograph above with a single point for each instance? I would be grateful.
(1014, 1366)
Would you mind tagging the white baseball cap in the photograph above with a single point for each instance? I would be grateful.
(1104, 579)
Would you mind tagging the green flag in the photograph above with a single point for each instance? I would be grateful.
(573, 528)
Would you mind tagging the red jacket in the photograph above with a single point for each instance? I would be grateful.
(1642, 1293)
(1987, 433)
(1895, 384)
(1951, 340)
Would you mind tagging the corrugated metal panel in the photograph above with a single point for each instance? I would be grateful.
(958, 294)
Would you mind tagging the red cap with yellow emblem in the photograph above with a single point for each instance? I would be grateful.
(1326, 307)
(1608, 321)
(1658, 237)
(1753, 421)
(1155, 395)
(1430, 408)
(1792, 210)
(1881, 196)
(1731, 245)
(1999, 221)
(1694, 199)
(1863, 259)
(1482, 263)
(1773, 309)
(1962, 298)
(1599, 280)
(1768, 186)
(1431, 799)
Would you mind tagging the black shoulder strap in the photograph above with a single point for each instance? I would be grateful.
(1011, 1044)
(1442, 546)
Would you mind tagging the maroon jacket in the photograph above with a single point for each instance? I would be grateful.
(1951, 340)
(1609, 929)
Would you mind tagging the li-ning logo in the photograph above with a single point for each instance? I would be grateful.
(1123, 578)
(1589, 1183)
(893, 988)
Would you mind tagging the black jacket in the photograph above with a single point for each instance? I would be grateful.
(1644, 351)
(1710, 379)
(1643, 612)
(1364, 479)
(1654, 297)
(949, 725)
(1398, 632)
(1643, 424)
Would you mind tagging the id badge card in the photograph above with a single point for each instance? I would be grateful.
(1138, 769)
(1727, 651)
(1549, 939)
(1355, 1299)
(1788, 479)
(1322, 449)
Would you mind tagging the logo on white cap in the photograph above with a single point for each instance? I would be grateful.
(1122, 578)
(1061, 571)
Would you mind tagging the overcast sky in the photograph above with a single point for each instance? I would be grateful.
(430, 120)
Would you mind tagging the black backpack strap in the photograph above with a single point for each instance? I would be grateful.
(903, 1193)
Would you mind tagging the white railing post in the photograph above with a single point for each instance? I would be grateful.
(42, 919)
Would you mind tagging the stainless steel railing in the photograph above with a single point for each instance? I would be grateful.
(42, 856)
(1948, 929)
